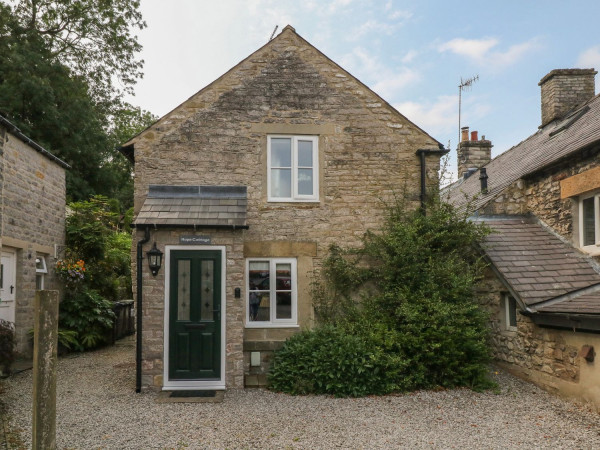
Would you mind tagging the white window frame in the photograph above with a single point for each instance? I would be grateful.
(42, 271)
(507, 311)
(274, 322)
(295, 197)
(593, 249)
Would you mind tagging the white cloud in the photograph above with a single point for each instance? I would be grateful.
(410, 55)
(371, 26)
(480, 51)
(589, 58)
(440, 117)
(384, 80)
(470, 48)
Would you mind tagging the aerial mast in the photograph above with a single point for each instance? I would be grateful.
(463, 85)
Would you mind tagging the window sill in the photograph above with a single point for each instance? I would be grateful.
(290, 200)
(272, 325)
(592, 250)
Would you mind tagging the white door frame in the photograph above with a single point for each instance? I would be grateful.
(7, 307)
(173, 385)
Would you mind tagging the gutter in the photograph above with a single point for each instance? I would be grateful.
(422, 152)
(194, 226)
(138, 331)
(570, 321)
(18, 134)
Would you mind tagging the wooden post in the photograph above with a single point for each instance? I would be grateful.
(45, 345)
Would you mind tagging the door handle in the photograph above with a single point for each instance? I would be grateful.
(11, 289)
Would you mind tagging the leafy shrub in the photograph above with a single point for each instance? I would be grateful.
(7, 345)
(89, 315)
(405, 298)
(327, 360)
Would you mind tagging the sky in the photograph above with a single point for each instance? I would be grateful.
(414, 54)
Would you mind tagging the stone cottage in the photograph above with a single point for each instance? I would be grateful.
(541, 198)
(243, 187)
(32, 225)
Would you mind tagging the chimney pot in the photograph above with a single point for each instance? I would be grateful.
(474, 135)
(464, 134)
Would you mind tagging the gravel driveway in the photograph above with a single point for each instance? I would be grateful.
(97, 408)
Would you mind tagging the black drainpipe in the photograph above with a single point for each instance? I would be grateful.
(422, 152)
(138, 334)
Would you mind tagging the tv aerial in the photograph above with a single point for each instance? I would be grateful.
(464, 84)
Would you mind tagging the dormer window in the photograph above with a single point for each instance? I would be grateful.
(293, 170)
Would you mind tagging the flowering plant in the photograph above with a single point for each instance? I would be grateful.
(70, 271)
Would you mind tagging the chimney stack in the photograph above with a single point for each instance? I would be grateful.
(472, 154)
(565, 89)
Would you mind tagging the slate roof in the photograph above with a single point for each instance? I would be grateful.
(557, 140)
(584, 304)
(12, 128)
(220, 206)
(539, 266)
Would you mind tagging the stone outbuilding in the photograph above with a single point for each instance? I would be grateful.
(32, 225)
(243, 187)
(541, 199)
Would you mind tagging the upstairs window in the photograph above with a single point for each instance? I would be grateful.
(293, 172)
(589, 223)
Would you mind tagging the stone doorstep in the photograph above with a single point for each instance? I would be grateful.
(165, 397)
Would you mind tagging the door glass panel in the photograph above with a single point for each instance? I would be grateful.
(207, 290)
(281, 183)
(305, 154)
(589, 226)
(183, 289)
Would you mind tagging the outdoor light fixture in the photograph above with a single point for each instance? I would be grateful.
(154, 259)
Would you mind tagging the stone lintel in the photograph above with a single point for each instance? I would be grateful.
(289, 128)
(279, 249)
(580, 183)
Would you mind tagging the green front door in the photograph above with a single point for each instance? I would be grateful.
(195, 315)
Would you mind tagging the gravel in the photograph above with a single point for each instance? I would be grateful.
(98, 408)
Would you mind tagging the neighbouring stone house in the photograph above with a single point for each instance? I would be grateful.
(243, 187)
(32, 225)
(541, 198)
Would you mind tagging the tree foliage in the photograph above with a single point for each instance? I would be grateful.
(92, 37)
(68, 105)
(408, 294)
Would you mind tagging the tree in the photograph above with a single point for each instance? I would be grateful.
(60, 106)
(92, 37)
(405, 302)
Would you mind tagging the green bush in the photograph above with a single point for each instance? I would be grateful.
(88, 314)
(7, 346)
(405, 299)
(327, 360)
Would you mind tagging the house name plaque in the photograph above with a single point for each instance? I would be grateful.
(194, 240)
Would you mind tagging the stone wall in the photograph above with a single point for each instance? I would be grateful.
(33, 222)
(548, 357)
(219, 136)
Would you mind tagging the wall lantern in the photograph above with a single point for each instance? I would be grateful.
(154, 259)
